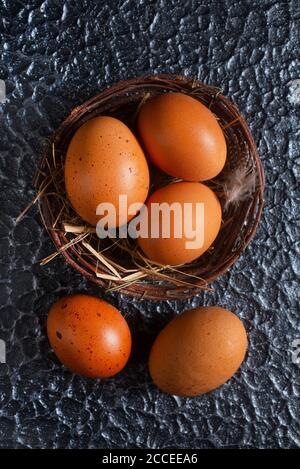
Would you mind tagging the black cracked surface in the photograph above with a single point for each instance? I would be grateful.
(53, 56)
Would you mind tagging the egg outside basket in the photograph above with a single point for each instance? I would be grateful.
(120, 265)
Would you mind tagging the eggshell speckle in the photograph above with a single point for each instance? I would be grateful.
(89, 336)
(105, 160)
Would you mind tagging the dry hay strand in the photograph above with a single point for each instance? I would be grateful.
(118, 265)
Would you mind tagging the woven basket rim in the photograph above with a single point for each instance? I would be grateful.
(250, 211)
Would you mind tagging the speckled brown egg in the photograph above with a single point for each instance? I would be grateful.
(89, 336)
(105, 160)
(182, 137)
(198, 351)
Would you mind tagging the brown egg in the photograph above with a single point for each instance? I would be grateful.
(104, 160)
(198, 351)
(174, 250)
(182, 137)
(89, 336)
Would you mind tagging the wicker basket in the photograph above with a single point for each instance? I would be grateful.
(110, 268)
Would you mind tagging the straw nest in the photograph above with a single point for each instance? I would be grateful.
(119, 264)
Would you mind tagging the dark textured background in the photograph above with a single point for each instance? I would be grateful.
(53, 56)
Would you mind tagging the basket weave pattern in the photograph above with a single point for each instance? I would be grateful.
(239, 223)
